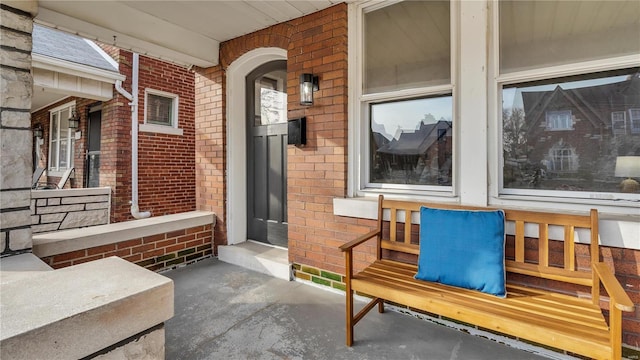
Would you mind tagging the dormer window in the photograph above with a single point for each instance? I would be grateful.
(559, 120)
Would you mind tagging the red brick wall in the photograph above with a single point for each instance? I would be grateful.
(210, 143)
(155, 252)
(166, 163)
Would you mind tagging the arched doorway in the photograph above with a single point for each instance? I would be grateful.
(237, 140)
(266, 101)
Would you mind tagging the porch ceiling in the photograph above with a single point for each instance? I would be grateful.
(184, 32)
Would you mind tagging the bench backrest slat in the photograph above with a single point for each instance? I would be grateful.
(543, 247)
(519, 240)
(569, 248)
(393, 222)
(407, 227)
(545, 264)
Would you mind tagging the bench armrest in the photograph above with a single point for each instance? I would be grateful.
(619, 297)
(359, 240)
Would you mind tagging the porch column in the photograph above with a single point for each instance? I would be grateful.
(16, 84)
(472, 99)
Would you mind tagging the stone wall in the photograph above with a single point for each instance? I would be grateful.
(53, 210)
(16, 87)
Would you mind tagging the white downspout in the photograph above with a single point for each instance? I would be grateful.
(133, 97)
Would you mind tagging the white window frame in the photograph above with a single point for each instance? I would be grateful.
(172, 129)
(634, 121)
(55, 169)
(614, 121)
(359, 117)
(614, 203)
(554, 123)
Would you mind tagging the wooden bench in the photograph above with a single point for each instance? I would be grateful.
(557, 319)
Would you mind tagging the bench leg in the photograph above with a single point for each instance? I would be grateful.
(350, 322)
(381, 306)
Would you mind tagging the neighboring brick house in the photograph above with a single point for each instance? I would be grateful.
(571, 132)
(101, 156)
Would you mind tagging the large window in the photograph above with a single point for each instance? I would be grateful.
(406, 108)
(60, 140)
(411, 142)
(567, 89)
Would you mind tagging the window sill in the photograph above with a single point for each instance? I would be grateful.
(160, 129)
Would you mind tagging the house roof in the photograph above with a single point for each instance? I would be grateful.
(64, 46)
(587, 100)
(416, 142)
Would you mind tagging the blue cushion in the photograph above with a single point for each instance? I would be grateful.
(463, 248)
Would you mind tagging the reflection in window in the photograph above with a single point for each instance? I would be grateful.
(559, 120)
(619, 122)
(160, 108)
(271, 99)
(591, 110)
(634, 119)
(411, 142)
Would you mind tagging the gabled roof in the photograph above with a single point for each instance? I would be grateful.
(416, 142)
(63, 46)
(586, 100)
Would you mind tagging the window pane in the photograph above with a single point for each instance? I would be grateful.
(64, 154)
(411, 142)
(159, 110)
(271, 98)
(535, 34)
(407, 45)
(558, 135)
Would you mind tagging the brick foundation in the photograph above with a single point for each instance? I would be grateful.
(156, 252)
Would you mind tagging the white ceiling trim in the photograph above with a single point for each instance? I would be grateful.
(174, 44)
(66, 67)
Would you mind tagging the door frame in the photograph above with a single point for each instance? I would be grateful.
(237, 138)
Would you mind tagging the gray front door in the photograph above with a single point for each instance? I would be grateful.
(92, 172)
(267, 153)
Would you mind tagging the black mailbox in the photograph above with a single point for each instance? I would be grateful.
(297, 134)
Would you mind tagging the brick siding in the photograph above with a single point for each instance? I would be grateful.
(317, 173)
(156, 252)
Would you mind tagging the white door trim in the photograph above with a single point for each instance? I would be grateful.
(237, 138)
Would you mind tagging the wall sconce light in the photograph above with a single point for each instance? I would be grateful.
(308, 84)
(629, 167)
(38, 132)
(74, 120)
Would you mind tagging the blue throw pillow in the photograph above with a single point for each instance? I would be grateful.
(463, 248)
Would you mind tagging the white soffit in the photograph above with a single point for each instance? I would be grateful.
(184, 32)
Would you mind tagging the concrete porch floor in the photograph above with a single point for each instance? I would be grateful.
(223, 311)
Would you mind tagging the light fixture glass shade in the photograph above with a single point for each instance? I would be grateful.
(37, 131)
(628, 166)
(306, 89)
(74, 120)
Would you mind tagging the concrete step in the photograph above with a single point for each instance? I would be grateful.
(258, 257)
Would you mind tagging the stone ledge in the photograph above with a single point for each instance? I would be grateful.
(76, 311)
(39, 194)
(61, 242)
(19, 267)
